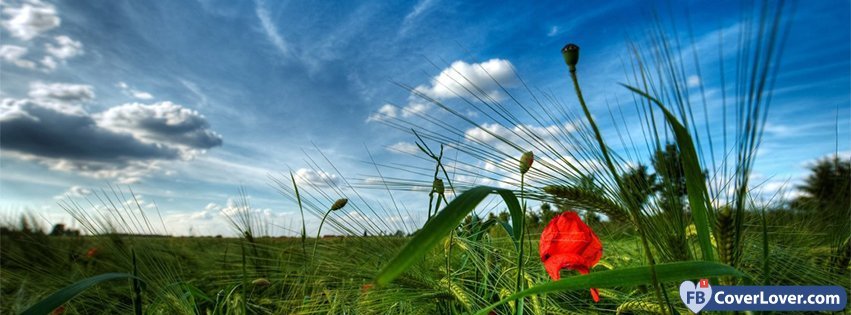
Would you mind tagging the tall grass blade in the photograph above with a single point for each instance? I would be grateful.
(443, 223)
(698, 196)
(64, 295)
(301, 210)
(137, 287)
(625, 277)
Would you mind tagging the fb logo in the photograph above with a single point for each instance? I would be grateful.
(694, 296)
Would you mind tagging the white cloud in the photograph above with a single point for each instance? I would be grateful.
(74, 192)
(56, 54)
(418, 10)
(61, 92)
(693, 81)
(65, 47)
(414, 109)
(305, 176)
(201, 215)
(553, 31)
(403, 147)
(163, 122)
(386, 111)
(14, 55)
(124, 143)
(30, 20)
(462, 79)
(142, 95)
(270, 29)
(49, 63)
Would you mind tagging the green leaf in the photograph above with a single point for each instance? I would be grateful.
(510, 231)
(67, 293)
(626, 277)
(514, 210)
(443, 223)
(698, 196)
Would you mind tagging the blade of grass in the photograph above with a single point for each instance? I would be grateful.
(626, 277)
(64, 295)
(137, 288)
(698, 196)
(301, 209)
(443, 223)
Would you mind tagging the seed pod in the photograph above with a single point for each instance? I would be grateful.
(724, 226)
(526, 162)
(437, 186)
(457, 292)
(339, 204)
(570, 52)
(261, 282)
(504, 293)
(582, 198)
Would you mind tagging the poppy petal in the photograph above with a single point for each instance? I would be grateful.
(567, 242)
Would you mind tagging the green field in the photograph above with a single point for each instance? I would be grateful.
(206, 275)
(669, 201)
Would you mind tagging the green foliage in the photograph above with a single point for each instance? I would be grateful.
(695, 180)
(441, 224)
(62, 296)
(826, 195)
(626, 277)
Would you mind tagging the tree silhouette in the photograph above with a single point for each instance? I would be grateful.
(826, 196)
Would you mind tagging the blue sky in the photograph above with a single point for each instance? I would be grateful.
(187, 101)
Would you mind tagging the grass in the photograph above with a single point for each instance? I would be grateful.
(695, 217)
(211, 279)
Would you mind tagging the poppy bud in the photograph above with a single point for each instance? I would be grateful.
(261, 282)
(570, 52)
(526, 162)
(437, 186)
(339, 204)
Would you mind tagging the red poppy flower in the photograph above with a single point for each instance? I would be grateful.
(92, 252)
(567, 243)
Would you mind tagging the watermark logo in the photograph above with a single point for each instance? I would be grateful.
(702, 296)
(697, 296)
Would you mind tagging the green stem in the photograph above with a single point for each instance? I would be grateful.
(519, 285)
(634, 211)
(318, 233)
(244, 282)
(430, 204)
(137, 288)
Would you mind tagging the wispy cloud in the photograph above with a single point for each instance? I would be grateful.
(142, 95)
(418, 10)
(270, 29)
